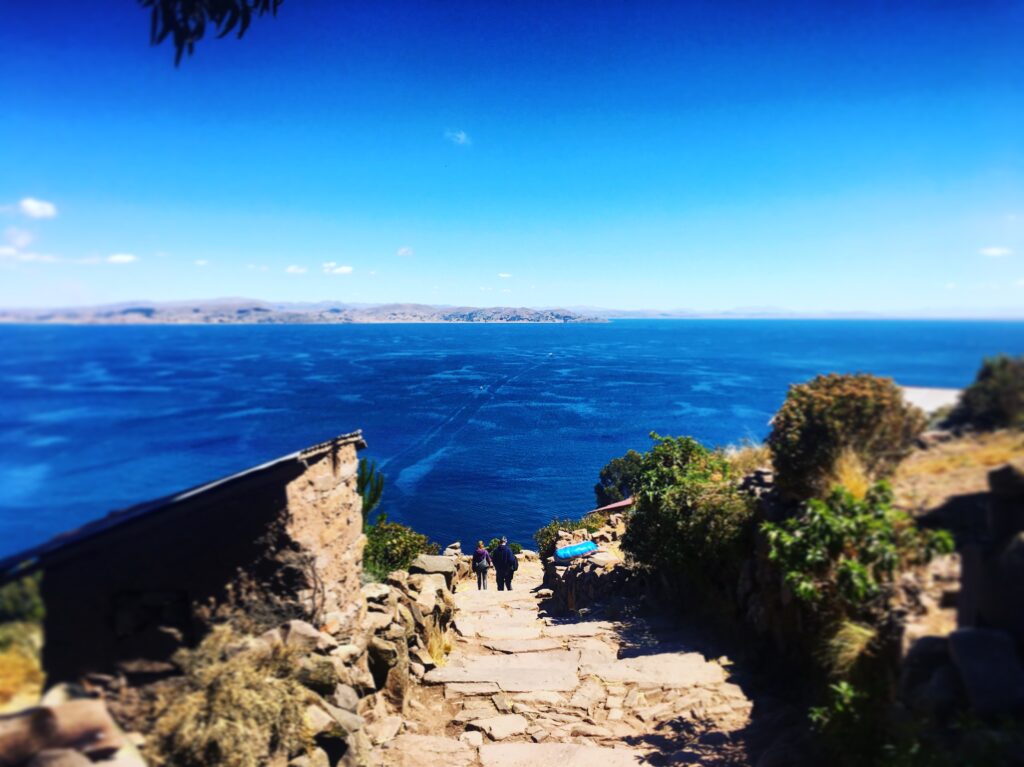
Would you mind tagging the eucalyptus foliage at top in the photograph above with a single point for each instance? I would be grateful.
(186, 22)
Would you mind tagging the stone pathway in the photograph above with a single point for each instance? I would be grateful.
(523, 688)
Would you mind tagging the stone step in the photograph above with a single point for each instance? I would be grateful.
(557, 755)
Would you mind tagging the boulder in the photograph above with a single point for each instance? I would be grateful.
(434, 565)
(472, 738)
(384, 729)
(317, 757)
(327, 721)
(990, 669)
(83, 724)
(345, 697)
(302, 635)
(319, 674)
(376, 592)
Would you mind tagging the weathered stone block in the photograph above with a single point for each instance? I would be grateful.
(990, 669)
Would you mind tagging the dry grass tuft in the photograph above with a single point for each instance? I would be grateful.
(983, 451)
(236, 710)
(928, 478)
(846, 647)
(21, 673)
(748, 457)
(848, 471)
(439, 643)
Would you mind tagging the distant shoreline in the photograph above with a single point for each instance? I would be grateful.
(246, 312)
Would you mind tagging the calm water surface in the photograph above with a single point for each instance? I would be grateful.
(481, 429)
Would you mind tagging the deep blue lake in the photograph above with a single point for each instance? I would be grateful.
(482, 430)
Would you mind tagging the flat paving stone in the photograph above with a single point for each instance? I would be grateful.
(511, 646)
(470, 688)
(669, 670)
(577, 629)
(428, 751)
(557, 755)
(501, 727)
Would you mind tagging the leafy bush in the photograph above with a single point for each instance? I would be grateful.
(839, 553)
(547, 536)
(996, 398)
(21, 638)
(619, 479)
(496, 542)
(238, 709)
(835, 413)
(20, 600)
(689, 519)
(391, 546)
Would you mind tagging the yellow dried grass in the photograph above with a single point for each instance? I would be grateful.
(848, 471)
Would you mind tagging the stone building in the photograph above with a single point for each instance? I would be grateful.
(131, 588)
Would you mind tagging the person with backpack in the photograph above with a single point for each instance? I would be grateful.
(481, 563)
(505, 565)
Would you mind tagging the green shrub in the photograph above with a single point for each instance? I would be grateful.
(20, 600)
(996, 398)
(496, 542)
(838, 555)
(547, 536)
(831, 414)
(391, 546)
(619, 479)
(689, 518)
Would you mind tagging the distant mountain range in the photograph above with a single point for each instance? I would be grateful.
(239, 311)
(246, 311)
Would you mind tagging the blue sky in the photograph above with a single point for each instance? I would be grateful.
(710, 155)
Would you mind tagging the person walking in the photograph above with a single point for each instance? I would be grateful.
(481, 563)
(505, 565)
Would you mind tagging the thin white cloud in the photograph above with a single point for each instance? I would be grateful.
(504, 275)
(122, 258)
(9, 253)
(201, 262)
(995, 251)
(1020, 283)
(505, 290)
(294, 269)
(332, 267)
(458, 137)
(19, 238)
(405, 250)
(34, 208)
(256, 267)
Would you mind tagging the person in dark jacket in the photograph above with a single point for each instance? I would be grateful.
(505, 564)
(481, 563)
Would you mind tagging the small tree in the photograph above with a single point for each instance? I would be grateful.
(996, 398)
(370, 485)
(619, 479)
(860, 414)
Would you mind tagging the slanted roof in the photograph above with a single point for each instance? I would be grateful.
(613, 506)
(31, 559)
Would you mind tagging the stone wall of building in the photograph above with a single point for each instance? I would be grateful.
(129, 590)
(324, 521)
